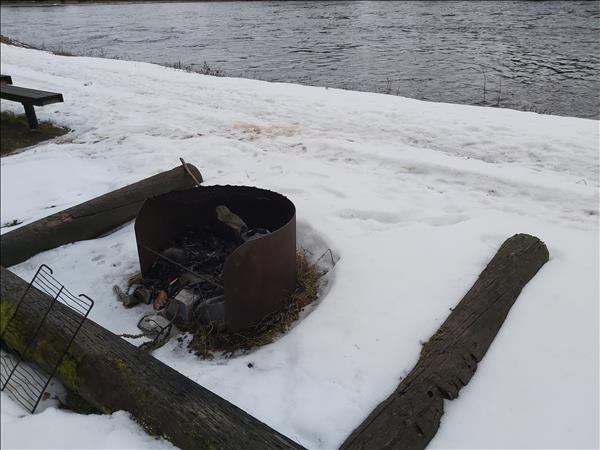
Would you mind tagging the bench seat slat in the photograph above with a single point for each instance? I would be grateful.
(30, 96)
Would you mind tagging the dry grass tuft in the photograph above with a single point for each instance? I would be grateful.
(9, 41)
(15, 133)
(204, 69)
(207, 340)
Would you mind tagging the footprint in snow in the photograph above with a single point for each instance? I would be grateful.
(447, 219)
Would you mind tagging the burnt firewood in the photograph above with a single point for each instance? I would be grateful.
(175, 254)
(410, 417)
(232, 221)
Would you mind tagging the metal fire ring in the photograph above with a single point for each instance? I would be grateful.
(260, 274)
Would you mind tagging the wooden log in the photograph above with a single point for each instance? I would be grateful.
(90, 219)
(111, 374)
(409, 418)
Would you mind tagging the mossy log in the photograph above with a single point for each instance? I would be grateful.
(92, 218)
(111, 374)
(410, 417)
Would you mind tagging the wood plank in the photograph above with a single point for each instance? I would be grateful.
(30, 96)
(409, 418)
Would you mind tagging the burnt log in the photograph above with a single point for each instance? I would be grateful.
(409, 418)
(110, 374)
(92, 218)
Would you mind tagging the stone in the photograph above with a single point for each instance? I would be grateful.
(181, 308)
(153, 323)
(212, 311)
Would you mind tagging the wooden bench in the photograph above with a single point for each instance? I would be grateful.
(5, 79)
(29, 98)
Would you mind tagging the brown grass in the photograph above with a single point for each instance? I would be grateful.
(204, 69)
(9, 41)
(207, 340)
(15, 133)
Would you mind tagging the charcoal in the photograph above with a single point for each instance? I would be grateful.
(204, 251)
(188, 279)
(174, 253)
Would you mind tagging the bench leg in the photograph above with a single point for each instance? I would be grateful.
(31, 118)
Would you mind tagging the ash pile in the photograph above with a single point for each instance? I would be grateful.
(185, 284)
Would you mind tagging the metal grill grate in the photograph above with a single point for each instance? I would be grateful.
(24, 382)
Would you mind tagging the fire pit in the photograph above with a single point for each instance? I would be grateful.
(226, 254)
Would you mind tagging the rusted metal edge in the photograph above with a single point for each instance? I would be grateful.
(259, 275)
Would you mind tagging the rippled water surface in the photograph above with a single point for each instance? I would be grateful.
(542, 56)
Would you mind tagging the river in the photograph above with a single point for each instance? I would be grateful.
(540, 56)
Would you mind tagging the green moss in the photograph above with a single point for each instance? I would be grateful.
(6, 311)
(44, 349)
(148, 427)
(67, 372)
(75, 402)
(122, 365)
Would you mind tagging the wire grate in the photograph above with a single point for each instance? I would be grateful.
(24, 382)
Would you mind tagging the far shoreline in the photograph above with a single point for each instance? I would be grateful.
(34, 3)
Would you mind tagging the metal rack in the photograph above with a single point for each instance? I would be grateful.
(24, 382)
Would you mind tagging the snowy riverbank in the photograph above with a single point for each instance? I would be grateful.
(413, 197)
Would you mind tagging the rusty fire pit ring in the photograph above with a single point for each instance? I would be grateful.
(259, 275)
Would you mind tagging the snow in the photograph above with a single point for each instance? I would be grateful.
(52, 427)
(414, 198)
(57, 428)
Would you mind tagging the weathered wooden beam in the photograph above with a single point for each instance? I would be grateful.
(409, 418)
(90, 219)
(111, 374)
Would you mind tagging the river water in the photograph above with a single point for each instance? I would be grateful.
(529, 55)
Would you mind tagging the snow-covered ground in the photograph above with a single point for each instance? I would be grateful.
(56, 428)
(413, 197)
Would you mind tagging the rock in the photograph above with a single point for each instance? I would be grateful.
(181, 308)
(211, 311)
